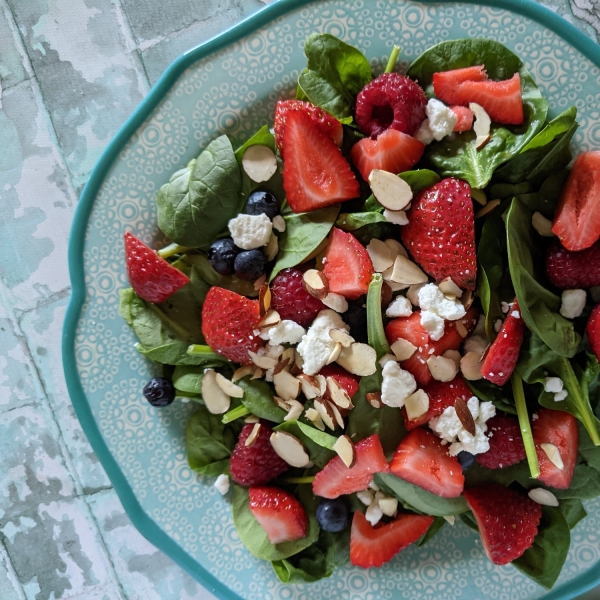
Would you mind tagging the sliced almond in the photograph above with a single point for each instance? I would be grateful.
(270, 319)
(281, 365)
(286, 385)
(487, 209)
(251, 439)
(289, 353)
(453, 355)
(322, 381)
(482, 124)
(345, 450)
(298, 360)
(339, 335)
(465, 415)
(479, 196)
(542, 225)
(413, 293)
(295, 412)
(315, 418)
(374, 399)
(380, 254)
(310, 386)
(232, 390)
(470, 366)
(391, 191)
(394, 286)
(257, 373)
(338, 394)
(264, 362)
(337, 415)
(403, 349)
(326, 413)
(279, 223)
(216, 400)
(442, 369)
(289, 448)
(259, 282)
(543, 497)
(451, 519)
(417, 405)
(336, 302)
(407, 272)
(396, 247)
(553, 454)
(259, 162)
(315, 283)
(358, 359)
(462, 330)
(386, 294)
(281, 403)
(397, 217)
(449, 288)
(242, 372)
(272, 248)
(388, 506)
(335, 353)
(251, 419)
(467, 299)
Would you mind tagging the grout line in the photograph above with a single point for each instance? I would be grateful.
(13, 577)
(44, 302)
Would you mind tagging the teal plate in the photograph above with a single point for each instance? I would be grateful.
(230, 85)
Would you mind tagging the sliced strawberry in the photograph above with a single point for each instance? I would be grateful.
(441, 232)
(421, 459)
(446, 83)
(336, 478)
(315, 174)
(464, 118)
(506, 443)
(576, 221)
(347, 265)
(373, 546)
(279, 513)
(559, 429)
(152, 278)
(392, 151)
(593, 330)
(507, 520)
(346, 380)
(410, 328)
(502, 356)
(228, 324)
(572, 270)
(327, 123)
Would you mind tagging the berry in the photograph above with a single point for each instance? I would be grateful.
(593, 330)
(256, 464)
(152, 278)
(249, 265)
(573, 270)
(333, 515)
(507, 520)
(373, 546)
(446, 82)
(315, 174)
(441, 232)
(356, 318)
(576, 221)
(221, 256)
(464, 118)
(347, 265)
(336, 479)
(291, 300)
(228, 324)
(466, 459)
(392, 151)
(262, 203)
(422, 460)
(506, 443)
(502, 356)
(559, 429)
(390, 101)
(279, 513)
(159, 392)
(346, 380)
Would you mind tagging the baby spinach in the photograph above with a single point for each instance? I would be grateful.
(500, 397)
(318, 444)
(197, 203)
(188, 379)
(456, 155)
(545, 200)
(573, 511)
(356, 220)
(420, 179)
(433, 530)
(258, 399)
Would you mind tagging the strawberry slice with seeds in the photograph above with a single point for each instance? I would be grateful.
(373, 546)
(507, 520)
(502, 356)
(315, 174)
(347, 265)
(421, 459)
(593, 330)
(279, 513)
(573, 270)
(506, 443)
(336, 479)
(446, 83)
(347, 381)
(152, 278)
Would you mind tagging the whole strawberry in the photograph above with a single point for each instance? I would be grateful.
(441, 232)
(506, 443)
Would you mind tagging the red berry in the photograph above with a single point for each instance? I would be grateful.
(291, 300)
(593, 330)
(346, 380)
(506, 443)
(464, 118)
(391, 101)
(258, 463)
(152, 278)
(572, 270)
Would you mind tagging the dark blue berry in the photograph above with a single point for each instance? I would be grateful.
(262, 203)
(222, 255)
(159, 391)
(333, 515)
(466, 459)
(250, 265)
(356, 318)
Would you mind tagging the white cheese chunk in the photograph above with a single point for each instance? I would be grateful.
(222, 484)
(397, 385)
(250, 231)
(399, 307)
(572, 303)
(433, 324)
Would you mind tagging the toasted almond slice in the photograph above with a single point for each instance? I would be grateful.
(264, 362)
(391, 191)
(298, 360)
(397, 217)
(279, 223)
(465, 415)
(257, 373)
(242, 372)
(259, 282)
(553, 453)
(289, 353)
(462, 330)
(449, 288)
(417, 405)
(272, 248)
(289, 448)
(467, 299)
(336, 302)
(324, 409)
(337, 415)
(315, 418)
(380, 254)
(345, 450)
(407, 272)
(259, 162)
(388, 506)
(487, 209)
(413, 293)
(271, 318)
(315, 283)
(442, 369)
(542, 225)
(543, 497)
(479, 196)
(295, 412)
(394, 286)
(453, 355)
(251, 419)
(281, 403)
(281, 365)
(216, 400)
(470, 366)
(339, 335)
(386, 294)
(322, 381)
(338, 394)
(482, 124)
(451, 519)
(358, 359)
(286, 385)
(335, 353)
(374, 399)
(366, 497)
(385, 359)
(310, 386)
(253, 435)
(232, 390)
(396, 247)
(373, 514)
(403, 349)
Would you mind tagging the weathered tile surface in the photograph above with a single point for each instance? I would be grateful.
(13, 61)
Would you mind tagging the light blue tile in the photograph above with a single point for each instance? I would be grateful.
(12, 60)
(10, 588)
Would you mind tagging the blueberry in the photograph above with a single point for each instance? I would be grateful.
(466, 459)
(333, 515)
(222, 255)
(159, 392)
(356, 318)
(250, 265)
(260, 203)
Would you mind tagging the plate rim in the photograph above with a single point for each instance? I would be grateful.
(138, 516)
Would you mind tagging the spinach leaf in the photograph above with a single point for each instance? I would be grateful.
(418, 499)
(585, 485)
(500, 397)
(456, 155)
(434, 528)
(258, 399)
(197, 203)
(469, 520)
(318, 444)
(572, 511)
(419, 179)
(356, 220)
(188, 379)
(545, 200)
(538, 306)
(508, 190)
(254, 537)
(303, 235)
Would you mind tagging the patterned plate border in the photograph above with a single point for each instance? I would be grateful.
(142, 521)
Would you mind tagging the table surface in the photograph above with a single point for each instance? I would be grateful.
(71, 72)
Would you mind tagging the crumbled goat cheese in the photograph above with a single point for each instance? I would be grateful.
(560, 396)
(553, 384)
(222, 484)
(366, 497)
(316, 345)
(506, 306)
(433, 324)
(400, 307)
(431, 298)
(285, 332)
(374, 513)
(441, 119)
(572, 303)
(397, 385)
(250, 231)
(424, 134)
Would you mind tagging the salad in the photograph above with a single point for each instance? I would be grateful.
(385, 308)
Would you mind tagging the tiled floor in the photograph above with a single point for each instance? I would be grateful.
(71, 71)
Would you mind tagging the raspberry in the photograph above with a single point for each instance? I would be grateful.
(506, 443)
(391, 101)
(291, 300)
(258, 463)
